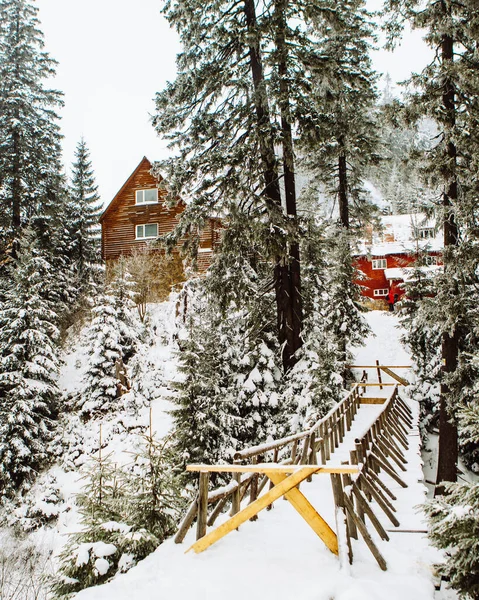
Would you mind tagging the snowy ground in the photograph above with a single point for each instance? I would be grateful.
(280, 557)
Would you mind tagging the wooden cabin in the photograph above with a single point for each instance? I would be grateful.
(387, 255)
(139, 214)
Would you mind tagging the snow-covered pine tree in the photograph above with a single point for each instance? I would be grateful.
(112, 337)
(30, 169)
(28, 367)
(315, 382)
(454, 528)
(230, 396)
(243, 70)
(83, 214)
(339, 137)
(447, 91)
(126, 513)
(343, 319)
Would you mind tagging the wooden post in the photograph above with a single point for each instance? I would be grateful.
(187, 522)
(253, 491)
(341, 522)
(202, 505)
(365, 534)
(236, 500)
(379, 375)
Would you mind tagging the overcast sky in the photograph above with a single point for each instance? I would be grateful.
(113, 56)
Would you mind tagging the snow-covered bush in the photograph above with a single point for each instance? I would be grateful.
(454, 527)
(125, 514)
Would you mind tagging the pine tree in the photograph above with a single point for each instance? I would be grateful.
(230, 396)
(448, 90)
(339, 138)
(112, 337)
(28, 368)
(30, 178)
(126, 513)
(84, 212)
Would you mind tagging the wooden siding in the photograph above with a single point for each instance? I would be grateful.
(375, 279)
(121, 217)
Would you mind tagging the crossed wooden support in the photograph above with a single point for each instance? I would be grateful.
(285, 479)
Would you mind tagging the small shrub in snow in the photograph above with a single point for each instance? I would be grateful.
(126, 513)
(454, 527)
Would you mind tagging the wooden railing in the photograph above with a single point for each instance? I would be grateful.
(301, 448)
(377, 453)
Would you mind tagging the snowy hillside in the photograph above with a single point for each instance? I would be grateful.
(279, 556)
(49, 513)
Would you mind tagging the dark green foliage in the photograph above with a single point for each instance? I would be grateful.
(30, 179)
(28, 368)
(83, 213)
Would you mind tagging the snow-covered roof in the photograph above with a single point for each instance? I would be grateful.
(408, 274)
(403, 234)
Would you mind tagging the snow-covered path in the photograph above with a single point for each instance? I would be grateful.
(280, 557)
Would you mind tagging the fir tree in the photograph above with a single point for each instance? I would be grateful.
(447, 92)
(84, 212)
(339, 136)
(125, 515)
(112, 337)
(28, 368)
(30, 151)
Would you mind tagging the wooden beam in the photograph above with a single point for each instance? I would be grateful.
(365, 400)
(309, 513)
(398, 378)
(252, 509)
(375, 366)
(276, 468)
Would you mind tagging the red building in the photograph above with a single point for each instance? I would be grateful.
(385, 255)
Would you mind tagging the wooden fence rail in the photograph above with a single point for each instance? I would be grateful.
(359, 488)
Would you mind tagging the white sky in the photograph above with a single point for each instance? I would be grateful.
(114, 55)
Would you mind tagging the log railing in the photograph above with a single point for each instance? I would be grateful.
(378, 452)
(301, 448)
(360, 487)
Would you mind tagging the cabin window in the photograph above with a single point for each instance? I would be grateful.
(147, 196)
(380, 263)
(430, 260)
(426, 233)
(147, 232)
(383, 292)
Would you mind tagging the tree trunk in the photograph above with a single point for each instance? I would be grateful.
(286, 271)
(447, 457)
(343, 188)
(289, 177)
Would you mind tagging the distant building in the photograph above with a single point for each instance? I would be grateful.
(138, 214)
(385, 255)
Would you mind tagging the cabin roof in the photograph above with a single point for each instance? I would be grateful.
(400, 236)
(144, 162)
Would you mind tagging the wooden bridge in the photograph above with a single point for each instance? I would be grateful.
(369, 460)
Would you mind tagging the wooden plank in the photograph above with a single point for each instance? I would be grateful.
(375, 366)
(278, 468)
(309, 513)
(187, 522)
(398, 378)
(380, 385)
(251, 510)
(365, 400)
(365, 534)
(379, 376)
